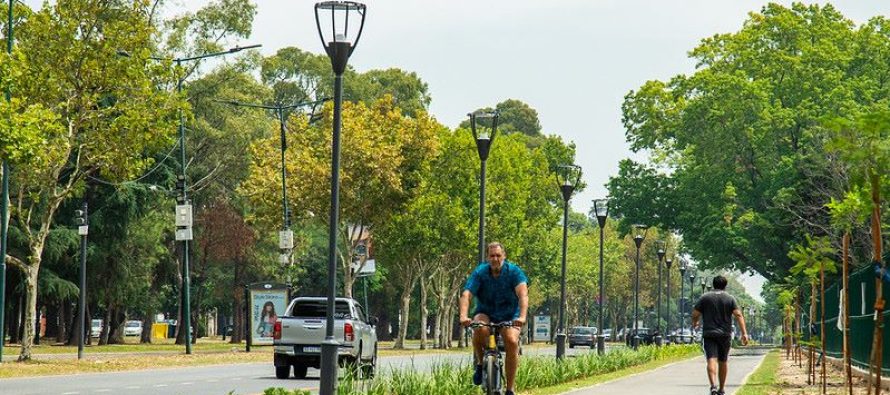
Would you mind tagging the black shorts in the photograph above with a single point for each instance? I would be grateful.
(716, 347)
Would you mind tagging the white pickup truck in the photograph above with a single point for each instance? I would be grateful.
(298, 334)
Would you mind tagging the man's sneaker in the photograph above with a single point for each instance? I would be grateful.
(477, 375)
(508, 392)
(720, 392)
(714, 391)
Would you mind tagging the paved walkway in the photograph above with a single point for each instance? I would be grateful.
(681, 378)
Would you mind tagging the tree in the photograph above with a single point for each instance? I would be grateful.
(384, 153)
(103, 114)
(515, 116)
(762, 91)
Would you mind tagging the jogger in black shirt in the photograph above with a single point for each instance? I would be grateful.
(715, 310)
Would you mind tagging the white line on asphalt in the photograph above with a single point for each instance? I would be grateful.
(132, 387)
(70, 393)
(186, 383)
(160, 385)
(236, 378)
(104, 390)
(213, 381)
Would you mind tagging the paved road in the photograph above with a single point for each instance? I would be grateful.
(249, 378)
(682, 378)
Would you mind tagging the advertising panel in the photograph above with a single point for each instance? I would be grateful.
(542, 328)
(266, 304)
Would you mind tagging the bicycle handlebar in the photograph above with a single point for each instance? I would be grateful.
(505, 324)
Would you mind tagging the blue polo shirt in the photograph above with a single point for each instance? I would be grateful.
(496, 296)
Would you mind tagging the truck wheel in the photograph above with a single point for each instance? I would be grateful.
(369, 367)
(300, 371)
(282, 372)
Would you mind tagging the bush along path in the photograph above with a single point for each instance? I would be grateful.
(448, 378)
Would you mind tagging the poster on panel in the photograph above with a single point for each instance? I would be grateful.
(265, 306)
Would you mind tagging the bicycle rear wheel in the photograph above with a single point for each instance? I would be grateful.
(493, 375)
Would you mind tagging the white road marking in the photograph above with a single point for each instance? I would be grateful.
(213, 381)
(132, 387)
(160, 385)
(236, 378)
(70, 393)
(104, 390)
(186, 383)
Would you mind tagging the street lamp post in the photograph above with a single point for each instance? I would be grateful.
(183, 217)
(639, 236)
(339, 47)
(567, 176)
(682, 306)
(601, 209)
(484, 136)
(82, 220)
(660, 252)
(668, 262)
(286, 235)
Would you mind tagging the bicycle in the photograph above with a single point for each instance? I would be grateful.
(492, 366)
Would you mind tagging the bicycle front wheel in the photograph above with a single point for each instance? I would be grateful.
(493, 375)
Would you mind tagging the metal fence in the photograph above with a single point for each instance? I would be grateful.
(862, 318)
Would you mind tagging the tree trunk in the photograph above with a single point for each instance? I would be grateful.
(424, 312)
(62, 319)
(237, 315)
(404, 310)
(147, 323)
(30, 308)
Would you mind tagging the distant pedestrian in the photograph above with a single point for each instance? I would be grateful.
(715, 309)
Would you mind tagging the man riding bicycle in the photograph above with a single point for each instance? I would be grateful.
(501, 291)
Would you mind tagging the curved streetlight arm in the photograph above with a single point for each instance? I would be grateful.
(271, 106)
(212, 54)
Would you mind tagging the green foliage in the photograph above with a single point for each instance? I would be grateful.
(740, 163)
(515, 116)
(285, 391)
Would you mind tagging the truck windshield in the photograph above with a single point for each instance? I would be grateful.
(318, 309)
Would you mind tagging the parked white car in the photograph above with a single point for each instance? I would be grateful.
(95, 327)
(133, 328)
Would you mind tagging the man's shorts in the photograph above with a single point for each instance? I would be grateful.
(497, 318)
(716, 347)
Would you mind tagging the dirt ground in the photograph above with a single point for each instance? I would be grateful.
(791, 379)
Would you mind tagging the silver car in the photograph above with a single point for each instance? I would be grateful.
(133, 328)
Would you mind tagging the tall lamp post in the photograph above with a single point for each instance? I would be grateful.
(601, 209)
(691, 298)
(660, 252)
(484, 136)
(639, 236)
(183, 217)
(4, 201)
(286, 235)
(668, 262)
(682, 306)
(567, 176)
(338, 46)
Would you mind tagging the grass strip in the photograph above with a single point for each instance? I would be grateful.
(449, 378)
(101, 365)
(763, 380)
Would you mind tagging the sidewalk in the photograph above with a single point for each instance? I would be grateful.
(681, 378)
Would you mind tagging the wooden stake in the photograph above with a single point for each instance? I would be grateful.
(822, 321)
(877, 345)
(846, 281)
